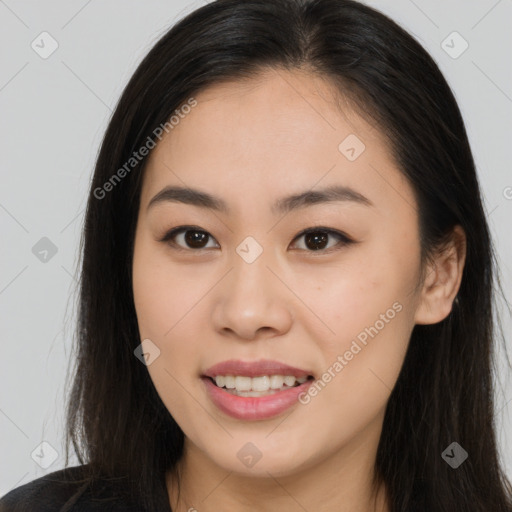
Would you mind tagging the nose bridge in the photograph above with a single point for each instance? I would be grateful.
(250, 272)
(251, 298)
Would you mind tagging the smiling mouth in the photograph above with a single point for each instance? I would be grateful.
(263, 385)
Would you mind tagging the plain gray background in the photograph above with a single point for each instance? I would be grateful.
(54, 111)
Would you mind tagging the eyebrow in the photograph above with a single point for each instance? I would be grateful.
(333, 193)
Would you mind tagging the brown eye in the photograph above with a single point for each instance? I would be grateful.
(196, 239)
(193, 238)
(317, 239)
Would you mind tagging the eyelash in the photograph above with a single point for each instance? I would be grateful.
(344, 239)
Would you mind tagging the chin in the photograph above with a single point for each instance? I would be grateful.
(262, 457)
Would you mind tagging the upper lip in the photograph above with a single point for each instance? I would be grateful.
(254, 369)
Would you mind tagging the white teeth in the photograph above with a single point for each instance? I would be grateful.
(260, 383)
(229, 382)
(243, 383)
(276, 381)
(289, 380)
(257, 385)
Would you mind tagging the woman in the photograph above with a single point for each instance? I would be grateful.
(286, 292)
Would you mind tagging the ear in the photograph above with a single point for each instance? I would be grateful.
(442, 281)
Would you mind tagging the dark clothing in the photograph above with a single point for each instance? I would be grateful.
(68, 490)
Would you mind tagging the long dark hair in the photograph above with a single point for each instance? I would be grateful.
(116, 421)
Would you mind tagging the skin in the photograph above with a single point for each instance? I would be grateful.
(251, 143)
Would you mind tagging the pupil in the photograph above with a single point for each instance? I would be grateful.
(316, 237)
(195, 241)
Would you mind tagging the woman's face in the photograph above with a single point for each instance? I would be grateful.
(243, 285)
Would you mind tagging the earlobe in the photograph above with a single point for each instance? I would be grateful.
(442, 281)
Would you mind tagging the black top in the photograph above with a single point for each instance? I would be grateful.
(67, 490)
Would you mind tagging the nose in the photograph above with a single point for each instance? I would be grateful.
(252, 301)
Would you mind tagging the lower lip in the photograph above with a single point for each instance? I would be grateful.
(254, 408)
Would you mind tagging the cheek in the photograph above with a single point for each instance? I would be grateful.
(163, 294)
(351, 296)
(362, 360)
(167, 303)
(162, 301)
(368, 306)
(366, 368)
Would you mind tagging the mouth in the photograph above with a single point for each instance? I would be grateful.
(256, 390)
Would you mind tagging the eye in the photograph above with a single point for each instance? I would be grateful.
(316, 238)
(193, 236)
(196, 238)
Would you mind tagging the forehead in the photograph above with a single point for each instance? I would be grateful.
(278, 132)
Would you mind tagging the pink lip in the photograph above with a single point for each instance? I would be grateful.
(253, 408)
(254, 369)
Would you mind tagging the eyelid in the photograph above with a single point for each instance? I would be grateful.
(343, 238)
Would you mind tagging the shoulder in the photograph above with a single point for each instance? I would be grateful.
(70, 489)
(49, 492)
